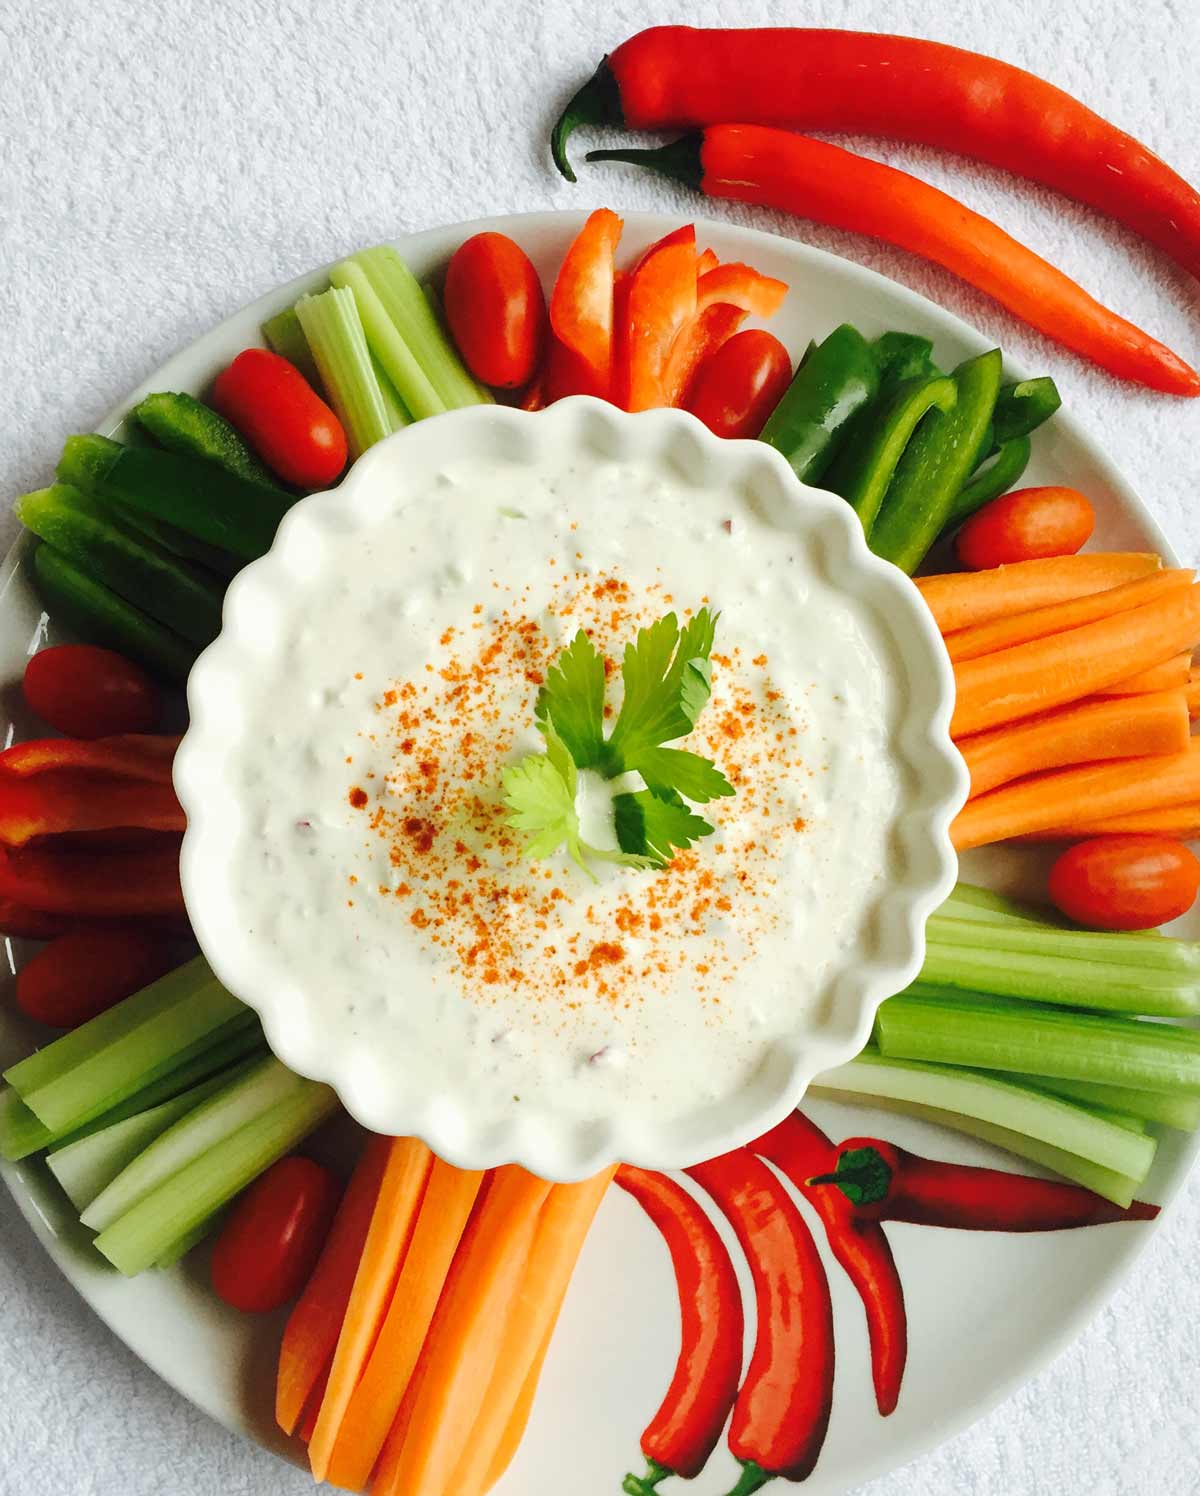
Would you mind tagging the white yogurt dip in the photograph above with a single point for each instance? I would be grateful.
(373, 867)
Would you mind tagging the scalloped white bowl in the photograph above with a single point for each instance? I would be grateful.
(305, 1033)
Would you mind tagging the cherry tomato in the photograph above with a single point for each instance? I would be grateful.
(86, 972)
(736, 389)
(496, 310)
(1026, 524)
(1125, 882)
(88, 692)
(268, 1247)
(282, 417)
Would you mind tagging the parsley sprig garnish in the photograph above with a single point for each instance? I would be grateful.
(667, 679)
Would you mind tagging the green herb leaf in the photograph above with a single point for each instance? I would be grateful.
(572, 700)
(541, 801)
(667, 680)
(675, 769)
(656, 826)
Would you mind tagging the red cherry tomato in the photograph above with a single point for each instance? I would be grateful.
(1125, 882)
(84, 973)
(268, 1247)
(88, 692)
(736, 389)
(282, 417)
(496, 310)
(1026, 524)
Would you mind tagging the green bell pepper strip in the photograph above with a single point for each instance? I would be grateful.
(100, 616)
(839, 379)
(191, 493)
(182, 423)
(82, 529)
(935, 465)
(988, 483)
(1022, 408)
(904, 355)
(863, 469)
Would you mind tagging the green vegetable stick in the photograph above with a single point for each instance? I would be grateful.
(830, 388)
(183, 424)
(387, 344)
(334, 330)
(988, 483)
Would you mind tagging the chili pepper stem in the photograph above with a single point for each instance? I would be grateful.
(753, 1478)
(645, 1485)
(680, 160)
(598, 102)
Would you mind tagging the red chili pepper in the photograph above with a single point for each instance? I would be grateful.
(21, 922)
(894, 87)
(109, 885)
(128, 755)
(822, 182)
(782, 1411)
(684, 1432)
(799, 1148)
(880, 1181)
(581, 311)
(66, 800)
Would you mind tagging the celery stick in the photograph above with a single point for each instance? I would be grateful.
(90, 1164)
(190, 1195)
(137, 1042)
(284, 334)
(1041, 1041)
(190, 1239)
(20, 1131)
(409, 312)
(387, 344)
(1118, 1188)
(397, 411)
(251, 1091)
(335, 334)
(1181, 1112)
(1149, 950)
(982, 905)
(987, 1098)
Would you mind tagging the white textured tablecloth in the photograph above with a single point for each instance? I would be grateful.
(161, 164)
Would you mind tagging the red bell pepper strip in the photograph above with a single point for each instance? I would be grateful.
(67, 800)
(708, 330)
(799, 1149)
(706, 260)
(880, 1181)
(684, 1432)
(662, 302)
(581, 308)
(897, 88)
(129, 755)
(109, 885)
(822, 182)
(782, 1411)
(741, 286)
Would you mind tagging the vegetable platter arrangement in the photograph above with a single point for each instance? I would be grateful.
(1022, 1110)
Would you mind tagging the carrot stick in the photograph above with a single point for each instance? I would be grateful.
(1167, 675)
(1192, 692)
(459, 1358)
(958, 600)
(562, 1226)
(1057, 801)
(518, 1421)
(312, 1408)
(1045, 673)
(1091, 730)
(375, 1401)
(1019, 628)
(314, 1324)
(404, 1178)
(1179, 821)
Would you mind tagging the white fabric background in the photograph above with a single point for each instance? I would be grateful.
(162, 164)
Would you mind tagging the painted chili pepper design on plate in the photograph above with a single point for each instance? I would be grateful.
(780, 1412)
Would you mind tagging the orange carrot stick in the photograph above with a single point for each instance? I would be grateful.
(315, 1323)
(1064, 798)
(958, 600)
(312, 1408)
(404, 1178)
(1019, 628)
(518, 1422)
(562, 1226)
(1045, 673)
(1192, 691)
(1179, 821)
(1167, 675)
(375, 1401)
(459, 1358)
(1084, 733)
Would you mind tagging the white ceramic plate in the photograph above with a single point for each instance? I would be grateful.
(985, 1311)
